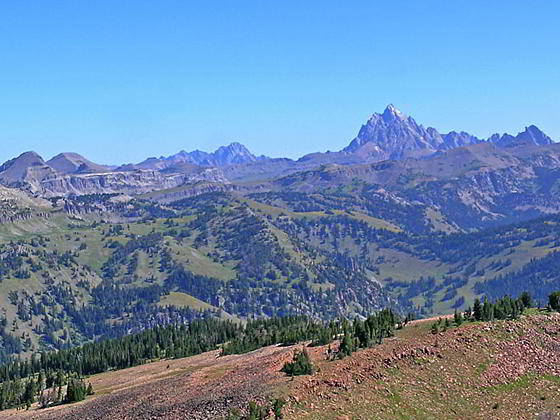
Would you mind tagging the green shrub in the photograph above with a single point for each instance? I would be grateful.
(554, 301)
(300, 364)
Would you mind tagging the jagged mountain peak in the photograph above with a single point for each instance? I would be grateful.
(536, 135)
(391, 113)
(394, 135)
(233, 153)
(532, 135)
(455, 139)
(234, 145)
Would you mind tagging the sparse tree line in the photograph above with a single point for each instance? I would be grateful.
(42, 377)
(540, 276)
(461, 250)
(51, 389)
(500, 309)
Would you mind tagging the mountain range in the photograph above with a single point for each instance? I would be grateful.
(404, 216)
(234, 153)
(390, 135)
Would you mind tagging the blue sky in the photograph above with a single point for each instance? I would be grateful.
(122, 80)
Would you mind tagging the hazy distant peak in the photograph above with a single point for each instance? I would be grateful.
(536, 135)
(455, 139)
(26, 159)
(532, 135)
(28, 166)
(233, 153)
(70, 162)
(394, 135)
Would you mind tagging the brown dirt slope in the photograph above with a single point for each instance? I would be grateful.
(199, 387)
(499, 370)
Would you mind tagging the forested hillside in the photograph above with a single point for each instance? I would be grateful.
(106, 265)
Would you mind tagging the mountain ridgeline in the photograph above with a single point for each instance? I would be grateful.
(404, 217)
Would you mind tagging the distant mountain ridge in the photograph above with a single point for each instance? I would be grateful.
(390, 135)
(395, 136)
(72, 174)
(234, 153)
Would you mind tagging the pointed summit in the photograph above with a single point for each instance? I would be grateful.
(391, 113)
(232, 154)
(531, 136)
(534, 135)
(394, 135)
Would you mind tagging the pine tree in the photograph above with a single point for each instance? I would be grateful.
(458, 318)
(346, 346)
(75, 391)
(40, 382)
(487, 311)
(477, 310)
(526, 299)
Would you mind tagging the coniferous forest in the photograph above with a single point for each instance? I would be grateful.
(42, 377)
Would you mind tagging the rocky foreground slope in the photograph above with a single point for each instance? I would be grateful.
(499, 370)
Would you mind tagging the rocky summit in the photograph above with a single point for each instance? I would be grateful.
(393, 135)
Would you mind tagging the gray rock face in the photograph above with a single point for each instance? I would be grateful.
(535, 135)
(17, 169)
(128, 182)
(73, 174)
(393, 135)
(232, 154)
(390, 135)
(454, 139)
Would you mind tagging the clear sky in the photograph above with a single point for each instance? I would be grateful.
(119, 81)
